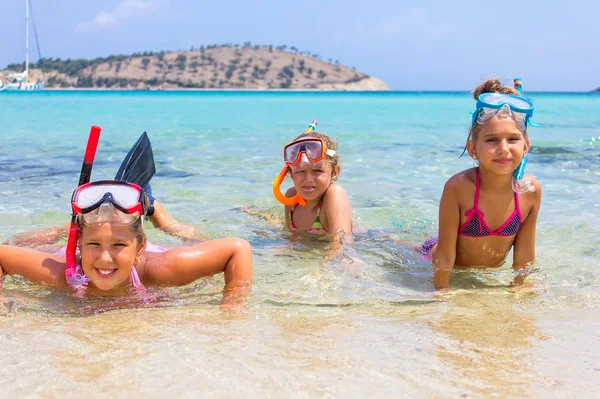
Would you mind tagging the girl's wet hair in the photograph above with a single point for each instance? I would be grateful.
(136, 228)
(489, 86)
(329, 142)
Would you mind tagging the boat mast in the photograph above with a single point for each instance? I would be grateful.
(26, 38)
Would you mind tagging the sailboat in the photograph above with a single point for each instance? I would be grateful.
(21, 81)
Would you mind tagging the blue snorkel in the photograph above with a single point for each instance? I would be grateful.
(520, 171)
(519, 185)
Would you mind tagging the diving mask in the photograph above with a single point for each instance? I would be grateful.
(311, 149)
(108, 201)
(491, 104)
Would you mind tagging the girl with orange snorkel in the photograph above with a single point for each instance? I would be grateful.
(107, 249)
(314, 204)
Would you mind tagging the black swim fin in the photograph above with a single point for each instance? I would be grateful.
(138, 166)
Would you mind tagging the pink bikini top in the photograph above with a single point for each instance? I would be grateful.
(316, 226)
(475, 225)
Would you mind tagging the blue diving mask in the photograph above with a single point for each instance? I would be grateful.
(520, 110)
(491, 104)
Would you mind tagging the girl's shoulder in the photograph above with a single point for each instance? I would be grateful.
(155, 263)
(461, 180)
(334, 193)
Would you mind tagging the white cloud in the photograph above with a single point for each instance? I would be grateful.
(125, 10)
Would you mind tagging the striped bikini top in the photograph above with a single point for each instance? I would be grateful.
(475, 226)
(316, 226)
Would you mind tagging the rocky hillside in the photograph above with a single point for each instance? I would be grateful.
(211, 67)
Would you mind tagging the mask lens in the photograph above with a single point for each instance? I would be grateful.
(486, 114)
(124, 195)
(313, 149)
(290, 153)
(107, 213)
(512, 101)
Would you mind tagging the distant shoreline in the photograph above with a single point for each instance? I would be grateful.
(210, 89)
(201, 90)
(68, 89)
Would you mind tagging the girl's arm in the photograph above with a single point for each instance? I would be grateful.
(336, 212)
(163, 220)
(39, 237)
(33, 265)
(232, 256)
(449, 219)
(524, 247)
(265, 215)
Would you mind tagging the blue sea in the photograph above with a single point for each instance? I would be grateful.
(312, 328)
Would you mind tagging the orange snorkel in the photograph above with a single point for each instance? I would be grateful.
(296, 199)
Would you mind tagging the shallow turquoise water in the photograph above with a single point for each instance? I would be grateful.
(326, 329)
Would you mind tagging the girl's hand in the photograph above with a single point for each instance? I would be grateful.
(348, 258)
(234, 296)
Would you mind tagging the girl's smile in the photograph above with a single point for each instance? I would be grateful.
(108, 253)
(500, 146)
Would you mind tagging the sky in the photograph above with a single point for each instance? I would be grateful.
(410, 45)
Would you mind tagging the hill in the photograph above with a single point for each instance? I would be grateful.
(211, 67)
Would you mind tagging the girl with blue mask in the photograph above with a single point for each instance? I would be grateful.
(492, 208)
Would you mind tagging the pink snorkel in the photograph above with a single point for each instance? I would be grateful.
(73, 273)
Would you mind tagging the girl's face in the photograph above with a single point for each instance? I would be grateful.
(311, 180)
(499, 147)
(108, 253)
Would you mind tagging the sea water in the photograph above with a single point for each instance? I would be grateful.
(312, 328)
